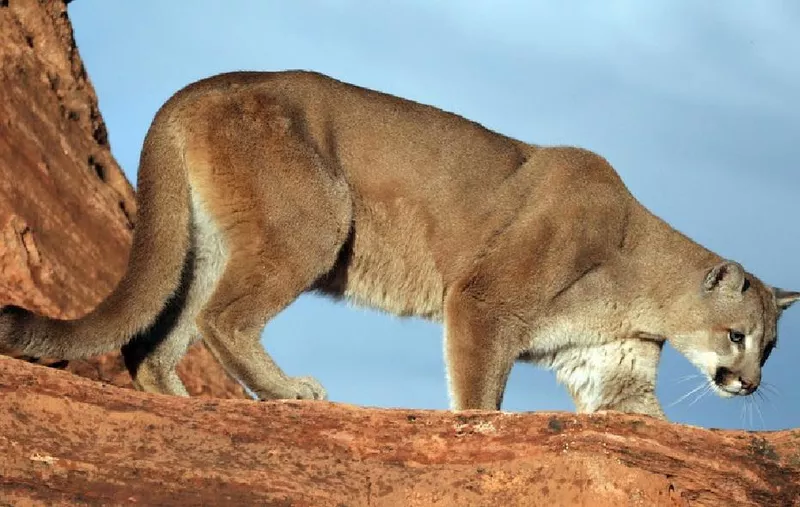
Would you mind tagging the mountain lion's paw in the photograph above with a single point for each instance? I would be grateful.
(309, 388)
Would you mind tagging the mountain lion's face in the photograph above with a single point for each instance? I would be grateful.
(729, 328)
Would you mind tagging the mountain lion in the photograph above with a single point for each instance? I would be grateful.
(256, 187)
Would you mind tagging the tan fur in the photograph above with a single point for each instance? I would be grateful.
(257, 187)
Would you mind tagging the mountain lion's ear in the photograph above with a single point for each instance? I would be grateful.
(785, 298)
(726, 276)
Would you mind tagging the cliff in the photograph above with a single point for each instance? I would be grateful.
(66, 209)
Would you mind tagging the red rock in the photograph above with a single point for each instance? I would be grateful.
(66, 209)
(65, 206)
(69, 440)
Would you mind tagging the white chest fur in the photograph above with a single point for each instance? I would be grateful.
(599, 369)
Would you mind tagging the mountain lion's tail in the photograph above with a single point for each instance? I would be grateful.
(160, 245)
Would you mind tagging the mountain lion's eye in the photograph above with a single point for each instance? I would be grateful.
(736, 336)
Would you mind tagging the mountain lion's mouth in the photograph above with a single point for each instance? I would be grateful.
(727, 383)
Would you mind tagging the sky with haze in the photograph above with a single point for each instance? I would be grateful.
(694, 103)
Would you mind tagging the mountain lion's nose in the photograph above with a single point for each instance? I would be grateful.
(748, 386)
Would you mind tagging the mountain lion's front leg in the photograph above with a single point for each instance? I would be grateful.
(479, 352)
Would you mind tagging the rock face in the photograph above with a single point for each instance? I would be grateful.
(66, 440)
(66, 209)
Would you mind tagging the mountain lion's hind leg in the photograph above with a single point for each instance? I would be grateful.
(284, 217)
(153, 370)
(246, 298)
(151, 358)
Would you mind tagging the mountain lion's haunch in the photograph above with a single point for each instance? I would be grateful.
(257, 187)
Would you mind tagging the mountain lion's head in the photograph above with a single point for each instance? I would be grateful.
(728, 327)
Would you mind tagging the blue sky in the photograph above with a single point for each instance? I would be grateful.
(694, 103)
